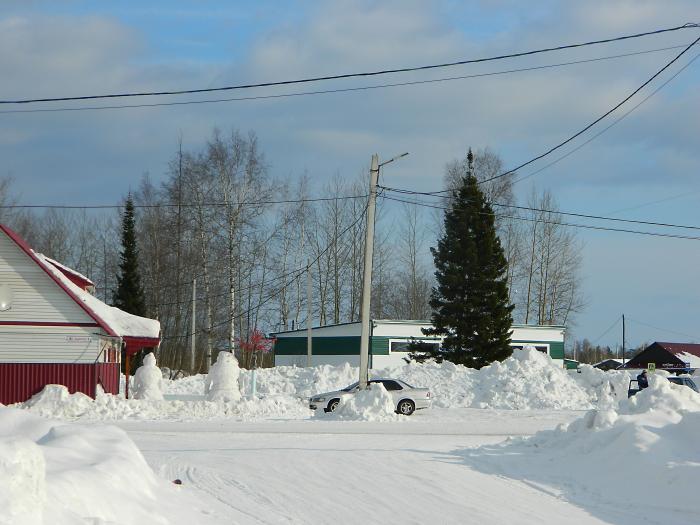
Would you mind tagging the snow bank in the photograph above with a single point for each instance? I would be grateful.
(56, 402)
(527, 380)
(57, 473)
(604, 387)
(650, 439)
(222, 381)
(148, 380)
(373, 404)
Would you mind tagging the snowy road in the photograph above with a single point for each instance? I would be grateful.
(316, 472)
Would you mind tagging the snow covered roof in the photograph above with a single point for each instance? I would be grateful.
(681, 348)
(76, 277)
(122, 323)
(115, 322)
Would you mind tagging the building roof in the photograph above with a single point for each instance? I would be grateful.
(113, 321)
(681, 348)
(409, 322)
(76, 277)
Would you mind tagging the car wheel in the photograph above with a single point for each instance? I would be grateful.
(332, 405)
(406, 407)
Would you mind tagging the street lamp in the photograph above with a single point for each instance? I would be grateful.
(367, 275)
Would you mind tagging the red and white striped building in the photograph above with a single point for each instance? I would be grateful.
(54, 331)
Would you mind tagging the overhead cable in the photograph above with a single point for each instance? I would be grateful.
(349, 75)
(558, 223)
(337, 90)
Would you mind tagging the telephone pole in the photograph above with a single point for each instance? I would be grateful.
(194, 325)
(309, 336)
(367, 274)
(623, 339)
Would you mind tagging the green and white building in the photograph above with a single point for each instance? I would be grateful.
(340, 343)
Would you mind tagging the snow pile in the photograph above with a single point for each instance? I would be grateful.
(300, 382)
(527, 380)
(148, 380)
(222, 382)
(373, 404)
(57, 473)
(605, 387)
(55, 401)
(650, 439)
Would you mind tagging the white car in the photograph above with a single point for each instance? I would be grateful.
(407, 398)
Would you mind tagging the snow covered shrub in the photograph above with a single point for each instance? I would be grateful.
(222, 380)
(148, 380)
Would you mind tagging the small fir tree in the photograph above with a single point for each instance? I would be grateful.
(470, 302)
(129, 293)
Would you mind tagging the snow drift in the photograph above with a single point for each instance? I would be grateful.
(55, 401)
(650, 440)
(60, 473)
(527, 380)
(373, 404)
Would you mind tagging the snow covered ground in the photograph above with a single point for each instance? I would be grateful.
(517, 442)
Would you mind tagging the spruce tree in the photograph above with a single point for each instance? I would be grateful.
(129, 293)
(470, 301)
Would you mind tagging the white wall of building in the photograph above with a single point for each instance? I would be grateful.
(35, 295)
(51, 344)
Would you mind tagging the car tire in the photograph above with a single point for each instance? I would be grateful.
(332, 405)
(406, 407)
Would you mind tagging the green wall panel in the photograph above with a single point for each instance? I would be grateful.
(350, 345)
(321, 345)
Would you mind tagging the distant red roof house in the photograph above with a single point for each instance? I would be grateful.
(54, 331)
(668, 356)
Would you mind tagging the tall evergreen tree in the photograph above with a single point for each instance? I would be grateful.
(129, 293)
(470, 302)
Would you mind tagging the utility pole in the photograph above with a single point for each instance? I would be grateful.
(367, 274)
(623, 339)
(309, 337)
(194, 324)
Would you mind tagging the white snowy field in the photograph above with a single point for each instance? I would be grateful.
(516, 442)
(338, 472)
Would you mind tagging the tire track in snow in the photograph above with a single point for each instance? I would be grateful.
(227, 490)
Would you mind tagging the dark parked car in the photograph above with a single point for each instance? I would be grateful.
(683, 381)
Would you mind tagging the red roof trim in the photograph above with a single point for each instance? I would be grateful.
(26, 249)
(134, 344)
(72, 276)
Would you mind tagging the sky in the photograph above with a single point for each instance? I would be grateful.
(645, 167)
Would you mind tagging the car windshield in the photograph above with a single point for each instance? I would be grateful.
(406, 384)
(350, 387)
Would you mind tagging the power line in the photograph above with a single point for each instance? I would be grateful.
(558, 223)
(349, 75)
(557, 212)
(589, 126)
(338, 90)
(181, 205)
(607, 331)
(616, 121)
(662, 329)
